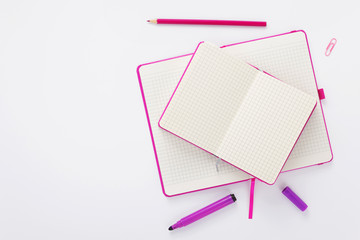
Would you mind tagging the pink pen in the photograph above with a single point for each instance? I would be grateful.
(204, 212)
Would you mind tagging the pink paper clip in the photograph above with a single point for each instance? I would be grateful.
(330, 47)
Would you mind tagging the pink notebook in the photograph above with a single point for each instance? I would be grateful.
(184, 168)
(237, 112)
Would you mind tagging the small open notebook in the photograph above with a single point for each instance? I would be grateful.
(185, 168)
(236, 112)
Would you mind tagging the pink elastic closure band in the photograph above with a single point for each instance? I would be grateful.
(251, 205)
(321, 93)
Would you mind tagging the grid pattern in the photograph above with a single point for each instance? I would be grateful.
(266, 127)
(222, 101)
(288, 59)
(208, 97)
(182, 163)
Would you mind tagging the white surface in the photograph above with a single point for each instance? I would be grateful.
(73, 128)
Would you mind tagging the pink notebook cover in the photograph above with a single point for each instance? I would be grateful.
(149, 124)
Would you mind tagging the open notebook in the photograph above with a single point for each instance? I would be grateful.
(185, 168)
(236, 112)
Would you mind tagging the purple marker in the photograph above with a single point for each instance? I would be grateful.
(204, 212)
(295, 199)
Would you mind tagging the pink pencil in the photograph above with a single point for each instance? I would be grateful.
(208, 22)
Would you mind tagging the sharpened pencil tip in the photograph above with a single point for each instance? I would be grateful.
(171, 228)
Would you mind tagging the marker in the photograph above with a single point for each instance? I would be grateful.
(295, 199)
(204, 212)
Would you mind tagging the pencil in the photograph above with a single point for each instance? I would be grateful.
(208, 22)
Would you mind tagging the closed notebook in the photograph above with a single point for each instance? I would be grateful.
(237, 113)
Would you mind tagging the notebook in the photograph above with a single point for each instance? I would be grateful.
(237, 113)
(184, 168)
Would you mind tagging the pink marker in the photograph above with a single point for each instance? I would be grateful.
(208, 22)
(204, 212)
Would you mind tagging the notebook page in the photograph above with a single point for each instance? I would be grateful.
(287, 57)
(183, 166)
(266, 127)
(205, 102)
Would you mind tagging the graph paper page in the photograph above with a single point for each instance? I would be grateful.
(266, 127)
(183, 166)
(287, 57)
(208, 96)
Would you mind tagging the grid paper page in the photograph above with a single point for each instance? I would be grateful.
(266, 127)
(208, 96)
(183, 166)
(287, 57)
(238, 113)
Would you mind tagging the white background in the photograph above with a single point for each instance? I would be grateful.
(76, 159)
